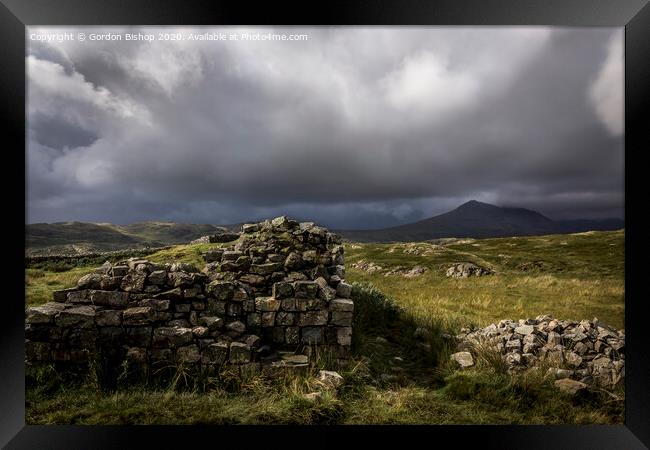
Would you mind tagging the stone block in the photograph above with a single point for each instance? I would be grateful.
(44, 313)
(80, 317)
(133, 282)
(266, 268)
(158, 277)
(138, 336)
(213, 323)
(236, 326)
(171, 294)
(215, 354)
(188, 354)
(240, 353)
(305, 289)
(282, 290)
(344, 335)
(90, 281)
(79, 296)
(342, 319)
(344, 289)
(61, 296)
(221, 290)
(288, 304)
(139, 315)
(310, 304)
(110, 283)
(172, 336)
(341, 305)
(313, 318)
(254, 319)
(108, 318)
(312, 335)
(155, 304)
(268, 319)
(265, 304)
(248, 305)
(111, 299)
(285, 318)
(217, 307)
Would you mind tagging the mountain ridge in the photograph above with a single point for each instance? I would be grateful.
(475, 219)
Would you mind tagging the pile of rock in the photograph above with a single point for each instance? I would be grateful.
(464, 270)
(280, 286)
(589, 351)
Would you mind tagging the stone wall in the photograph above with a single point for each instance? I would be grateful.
(279, 286)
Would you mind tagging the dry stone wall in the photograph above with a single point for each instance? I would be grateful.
(279, 286)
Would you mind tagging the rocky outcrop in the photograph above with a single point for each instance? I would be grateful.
(465, 270)
(406, 272)
(280, 286)
(367, 266)
(591, 352)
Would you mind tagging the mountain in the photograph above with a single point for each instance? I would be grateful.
(479, 220)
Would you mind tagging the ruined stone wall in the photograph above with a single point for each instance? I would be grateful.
(279, 286)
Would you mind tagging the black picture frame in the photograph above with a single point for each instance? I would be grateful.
(634, 15)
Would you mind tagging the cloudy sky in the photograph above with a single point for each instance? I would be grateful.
(352, 128)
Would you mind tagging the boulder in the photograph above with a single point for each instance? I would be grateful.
(90, 281)
(330, 379)
(463, 359)
(571, 387)
(465, 270)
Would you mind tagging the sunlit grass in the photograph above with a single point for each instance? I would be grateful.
(579, 280)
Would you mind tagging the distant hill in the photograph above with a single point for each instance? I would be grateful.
(480, 220)
(80, 237)
(472, 219)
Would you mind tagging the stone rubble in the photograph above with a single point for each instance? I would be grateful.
(280, 286)
(591, 352)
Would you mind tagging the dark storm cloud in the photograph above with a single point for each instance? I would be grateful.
(56, 132)
(353, 128)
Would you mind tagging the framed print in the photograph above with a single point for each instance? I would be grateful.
(268, 221)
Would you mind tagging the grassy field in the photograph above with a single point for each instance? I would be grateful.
(395, 379)
(576, 276)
